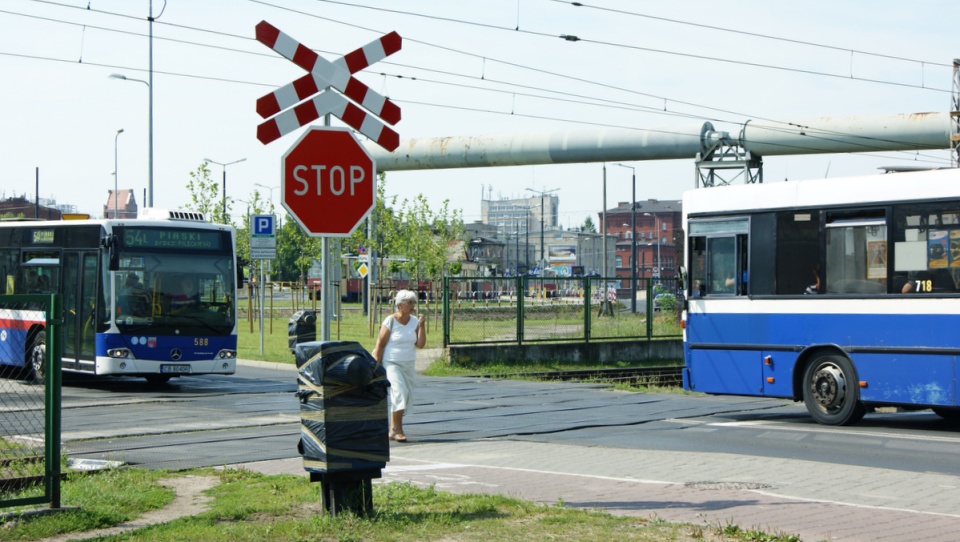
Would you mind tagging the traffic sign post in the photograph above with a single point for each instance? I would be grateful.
(327, 178)
(328, 182)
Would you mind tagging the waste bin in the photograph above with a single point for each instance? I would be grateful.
(344, 429)
(301, 328)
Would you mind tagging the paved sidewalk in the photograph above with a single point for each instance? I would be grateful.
(818, 501)
(814, 500)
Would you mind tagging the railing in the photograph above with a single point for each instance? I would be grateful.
(515, 310)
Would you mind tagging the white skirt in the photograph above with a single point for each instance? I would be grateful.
(401, 375)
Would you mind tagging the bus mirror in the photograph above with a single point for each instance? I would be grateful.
(682, 274)
(110, 243)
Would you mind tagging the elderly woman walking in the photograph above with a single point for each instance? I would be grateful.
(400, 334)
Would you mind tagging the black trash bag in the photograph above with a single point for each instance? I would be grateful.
(343, 407)
(301, 328)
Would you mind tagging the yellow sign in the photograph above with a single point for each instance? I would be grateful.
(363, 270)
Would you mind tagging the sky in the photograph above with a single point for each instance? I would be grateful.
(465, 68)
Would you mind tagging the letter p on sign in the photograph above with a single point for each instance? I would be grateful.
(263, 225)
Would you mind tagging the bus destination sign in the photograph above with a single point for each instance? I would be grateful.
(152, 238)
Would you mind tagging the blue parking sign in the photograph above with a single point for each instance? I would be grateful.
(263, 225)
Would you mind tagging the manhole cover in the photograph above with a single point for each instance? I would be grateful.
(726, 485)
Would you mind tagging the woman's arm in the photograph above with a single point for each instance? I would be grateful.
(382, 339)
(421, 333)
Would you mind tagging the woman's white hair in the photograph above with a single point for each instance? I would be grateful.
(404, 296)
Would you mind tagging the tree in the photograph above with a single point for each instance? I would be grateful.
(205, 195)
(296, 250)
(589, 226)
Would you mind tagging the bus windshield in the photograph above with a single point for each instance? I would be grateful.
(192, 291)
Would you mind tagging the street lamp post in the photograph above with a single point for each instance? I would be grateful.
(224, 166)
(149, 202)
(116, 171)
(656, 225)
(633, 238)
(270, 188)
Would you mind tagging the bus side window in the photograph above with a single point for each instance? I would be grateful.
(722, 266)
(698, 267)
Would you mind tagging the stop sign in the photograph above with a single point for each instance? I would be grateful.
(328, 182)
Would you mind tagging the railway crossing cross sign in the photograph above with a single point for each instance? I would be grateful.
(328, 182)
(325, 89)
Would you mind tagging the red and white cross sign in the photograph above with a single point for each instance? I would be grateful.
(321, 75)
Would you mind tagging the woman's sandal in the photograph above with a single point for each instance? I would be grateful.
(399, 437)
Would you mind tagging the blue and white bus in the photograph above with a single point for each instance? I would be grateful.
(841, 293)
(153, 297)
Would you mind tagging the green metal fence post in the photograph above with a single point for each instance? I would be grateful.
(520, 298)
(446, 312)
(587, 309)
(649, 289)
(52, 399)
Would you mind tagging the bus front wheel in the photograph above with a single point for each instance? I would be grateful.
(37, 357)
(830, 391)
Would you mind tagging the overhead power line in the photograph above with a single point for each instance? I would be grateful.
(561, 95)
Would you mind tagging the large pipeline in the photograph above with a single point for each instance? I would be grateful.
(901, 132)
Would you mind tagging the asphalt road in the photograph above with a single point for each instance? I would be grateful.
(254, 416)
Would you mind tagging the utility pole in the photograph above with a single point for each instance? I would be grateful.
(543, 210)
(633, 239)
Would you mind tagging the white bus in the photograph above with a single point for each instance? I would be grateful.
(152, 297)
(842, 293)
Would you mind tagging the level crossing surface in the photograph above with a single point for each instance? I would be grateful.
(711, 460)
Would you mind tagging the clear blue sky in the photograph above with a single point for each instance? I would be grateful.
(466, 68)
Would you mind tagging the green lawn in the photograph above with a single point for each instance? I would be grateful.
(351, 326)
(251, 506)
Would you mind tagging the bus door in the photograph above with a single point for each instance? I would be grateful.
(79, 306)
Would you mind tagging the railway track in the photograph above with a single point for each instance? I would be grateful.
(667, 376)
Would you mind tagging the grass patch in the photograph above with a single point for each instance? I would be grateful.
(249, 506)
(351, 326)
(95, 500)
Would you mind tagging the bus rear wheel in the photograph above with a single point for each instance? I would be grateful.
(37, 358)
(830, 391)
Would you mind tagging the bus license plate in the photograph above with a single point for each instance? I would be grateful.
(178, 369)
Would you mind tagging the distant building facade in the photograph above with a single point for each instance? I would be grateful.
(657, 222)
(120, 204)
(20, 207)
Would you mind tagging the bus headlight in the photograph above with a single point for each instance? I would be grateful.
(227, 354)
(118, 353)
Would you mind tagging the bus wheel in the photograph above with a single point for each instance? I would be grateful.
(157, 380)
(830, 391)
(37, 357)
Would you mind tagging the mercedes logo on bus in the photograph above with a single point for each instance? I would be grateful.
(176, 354)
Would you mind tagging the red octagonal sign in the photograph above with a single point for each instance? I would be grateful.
(328, 182)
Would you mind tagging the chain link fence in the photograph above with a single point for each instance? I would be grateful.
(514, 310)
(29, 401)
